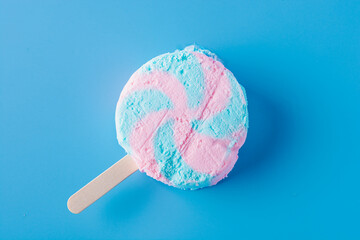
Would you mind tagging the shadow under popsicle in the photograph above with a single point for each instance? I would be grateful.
(129, 199)
(269, 132)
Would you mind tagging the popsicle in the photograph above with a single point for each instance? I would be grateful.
(182, 118)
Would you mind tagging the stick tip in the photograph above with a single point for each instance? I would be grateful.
(71, 206)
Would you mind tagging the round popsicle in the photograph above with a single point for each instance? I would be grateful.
(182, 117)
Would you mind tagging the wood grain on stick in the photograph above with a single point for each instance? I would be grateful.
(101, 184)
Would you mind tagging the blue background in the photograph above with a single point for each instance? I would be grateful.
(64, 64)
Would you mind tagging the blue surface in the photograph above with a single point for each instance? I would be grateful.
(63, 65)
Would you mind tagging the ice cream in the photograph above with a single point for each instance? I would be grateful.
(182, 117)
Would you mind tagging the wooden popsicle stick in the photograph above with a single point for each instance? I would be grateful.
(101, 184)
